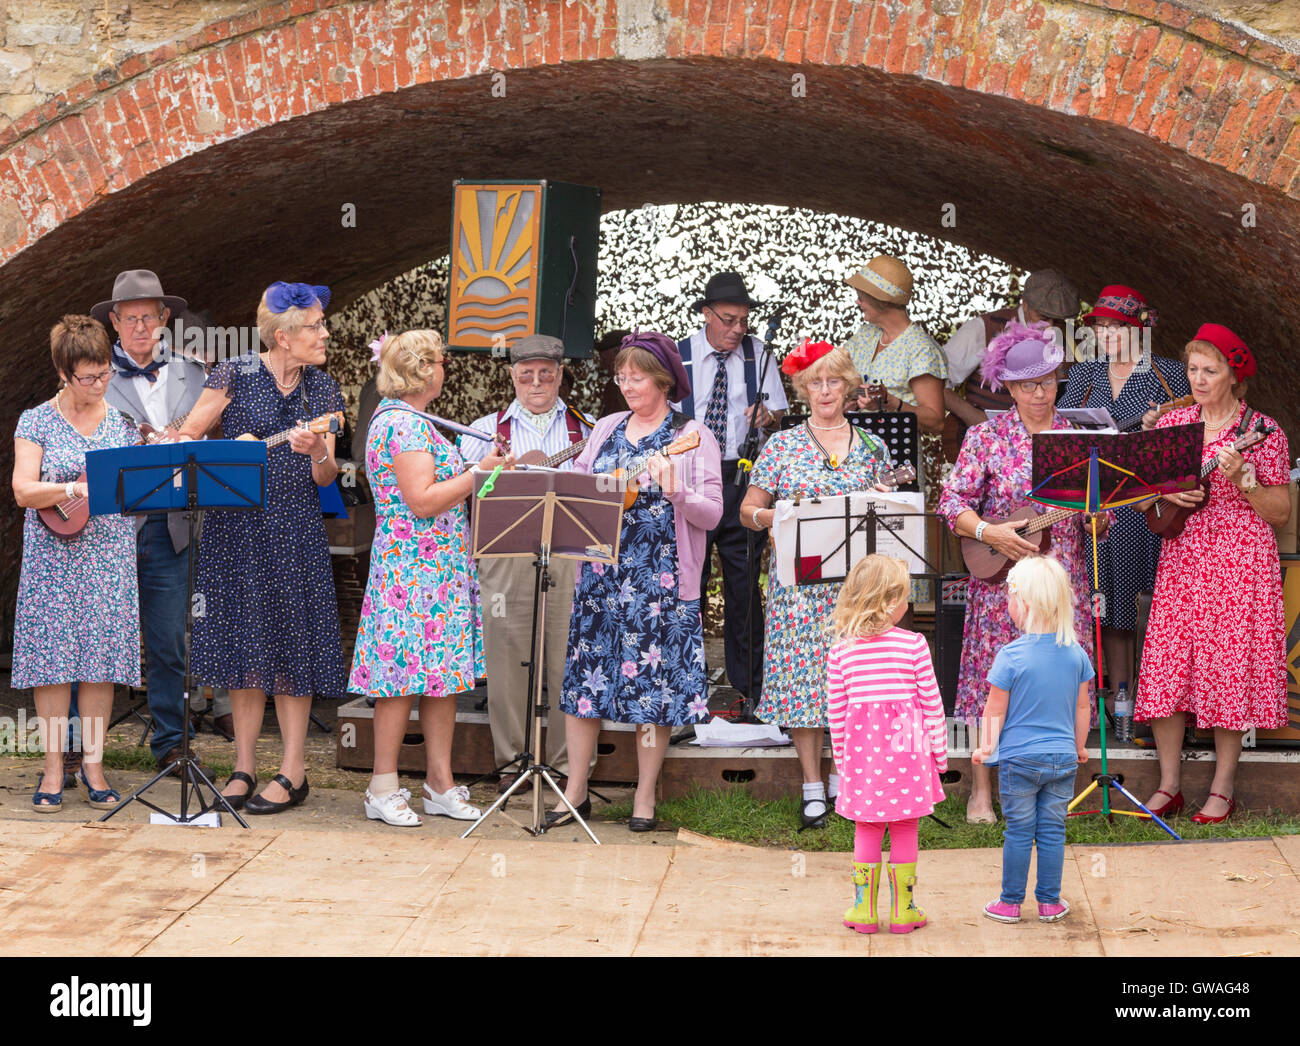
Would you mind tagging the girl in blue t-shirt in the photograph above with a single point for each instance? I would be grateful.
(1034, 730)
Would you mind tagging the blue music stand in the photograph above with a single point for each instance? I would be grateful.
(179, 477)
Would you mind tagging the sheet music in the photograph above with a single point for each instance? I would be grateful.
(823, 531)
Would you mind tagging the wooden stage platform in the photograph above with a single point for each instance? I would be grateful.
(136, 889)
(1268, 777)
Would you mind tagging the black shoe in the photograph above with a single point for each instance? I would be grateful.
(237, 801)
(556, 818)
(642, 824)
(259, 804)
(817, 821)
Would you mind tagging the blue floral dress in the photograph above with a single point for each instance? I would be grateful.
(797, 640)
(420, 630)
(636, 648)
(78, 614)
(270, 618)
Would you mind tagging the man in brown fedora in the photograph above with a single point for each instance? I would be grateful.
(155, 386)
(1048, 296)
(725, 364)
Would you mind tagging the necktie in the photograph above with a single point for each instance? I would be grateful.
(715, 416)
(127, 367)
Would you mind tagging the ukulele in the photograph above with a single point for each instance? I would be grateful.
(326, 423)
(1122, 424)
(67, 518)
(628, 473)
(536, 457)
(1168, 520)
(988, 564)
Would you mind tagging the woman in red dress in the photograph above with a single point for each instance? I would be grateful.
(1215, 646)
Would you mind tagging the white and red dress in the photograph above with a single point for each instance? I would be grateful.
(887, 726)
(1215, 644)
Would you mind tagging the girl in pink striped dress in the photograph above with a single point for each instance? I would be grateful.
(888, 736)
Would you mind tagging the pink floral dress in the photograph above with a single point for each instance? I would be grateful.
(420, 630)
(992, 475)
(1215, 644)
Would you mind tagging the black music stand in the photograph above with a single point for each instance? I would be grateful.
(538, 514)
(857, 530)
(180, 477)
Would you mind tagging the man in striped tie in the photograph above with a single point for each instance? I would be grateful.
(725, 363)
(537, 419)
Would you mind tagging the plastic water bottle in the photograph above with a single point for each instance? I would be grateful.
(1123, 715)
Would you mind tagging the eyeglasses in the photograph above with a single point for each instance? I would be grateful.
(829, 384)
(318, 327)
(730, 321)
(624, 381)
(542, 377)
(87, 380)
(148, 319)
(1046, 384)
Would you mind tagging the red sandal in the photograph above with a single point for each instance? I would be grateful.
(1174, 806)
(1201, 818)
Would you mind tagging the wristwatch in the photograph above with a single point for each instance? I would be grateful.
(70, 490)
(979, 529)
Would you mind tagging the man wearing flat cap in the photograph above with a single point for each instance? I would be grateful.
(1048, 296)
(725, 363)
(155, 387)
(538, 419)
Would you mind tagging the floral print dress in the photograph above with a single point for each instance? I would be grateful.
(797, 639)
(78, 616)
(992, 476)
(420, 631)
(1216, 641)
(636, 647)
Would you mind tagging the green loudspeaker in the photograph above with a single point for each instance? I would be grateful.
(523, 261)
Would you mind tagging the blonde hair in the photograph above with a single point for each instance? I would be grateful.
(268, 322)
(406, 362)
(646, 362)
(1043, 588)
(867, 600)
(1207, 348)
(835, 364)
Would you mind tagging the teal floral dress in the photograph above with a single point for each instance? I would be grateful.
(797, 639)
(420, 630)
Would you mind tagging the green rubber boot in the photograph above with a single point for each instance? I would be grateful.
(866, 884)
(905, 916)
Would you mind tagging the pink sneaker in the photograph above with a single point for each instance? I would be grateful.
(1003, 913)
(1050, 913)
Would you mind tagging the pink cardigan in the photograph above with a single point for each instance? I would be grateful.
(697, 505)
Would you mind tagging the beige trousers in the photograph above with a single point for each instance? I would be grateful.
(506, 588)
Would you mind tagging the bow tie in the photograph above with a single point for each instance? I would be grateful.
(128, 368)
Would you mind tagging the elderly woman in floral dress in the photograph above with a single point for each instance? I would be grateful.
(419, 630)
(823, 456)
(989, 481)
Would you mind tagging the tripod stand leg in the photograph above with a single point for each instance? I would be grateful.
(1134, 800)
(1092, 787)
(521, 780)
(568, 805)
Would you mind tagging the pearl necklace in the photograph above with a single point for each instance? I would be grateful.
(828, 428)
(290, 386)
(1216, 426)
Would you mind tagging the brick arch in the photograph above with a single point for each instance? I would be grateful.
(1118, 139)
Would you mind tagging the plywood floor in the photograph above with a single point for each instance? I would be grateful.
(136, 889)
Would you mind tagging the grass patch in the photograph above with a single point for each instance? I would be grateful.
(736, 815)
(135, 757)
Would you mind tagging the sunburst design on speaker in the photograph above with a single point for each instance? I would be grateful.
(493, 299)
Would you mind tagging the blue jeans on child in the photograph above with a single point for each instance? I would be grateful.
(1035, 791)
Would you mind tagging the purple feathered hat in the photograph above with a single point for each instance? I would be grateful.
(1020, 353)
(664, 349)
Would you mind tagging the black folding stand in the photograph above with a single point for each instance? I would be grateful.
(244, 491)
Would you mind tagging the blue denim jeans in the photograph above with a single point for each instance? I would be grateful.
(162, 579)
(1035, 791)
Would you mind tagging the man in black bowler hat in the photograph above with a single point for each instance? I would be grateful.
(725, 364)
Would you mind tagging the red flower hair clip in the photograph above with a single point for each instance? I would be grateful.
(808, 353)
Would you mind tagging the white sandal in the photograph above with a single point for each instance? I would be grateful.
(392, 809)
(451, 803)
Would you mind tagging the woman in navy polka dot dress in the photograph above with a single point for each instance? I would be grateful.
(269, 622)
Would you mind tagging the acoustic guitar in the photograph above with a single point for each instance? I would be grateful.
(1168, 520)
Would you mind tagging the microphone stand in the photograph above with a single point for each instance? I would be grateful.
(748, 453)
